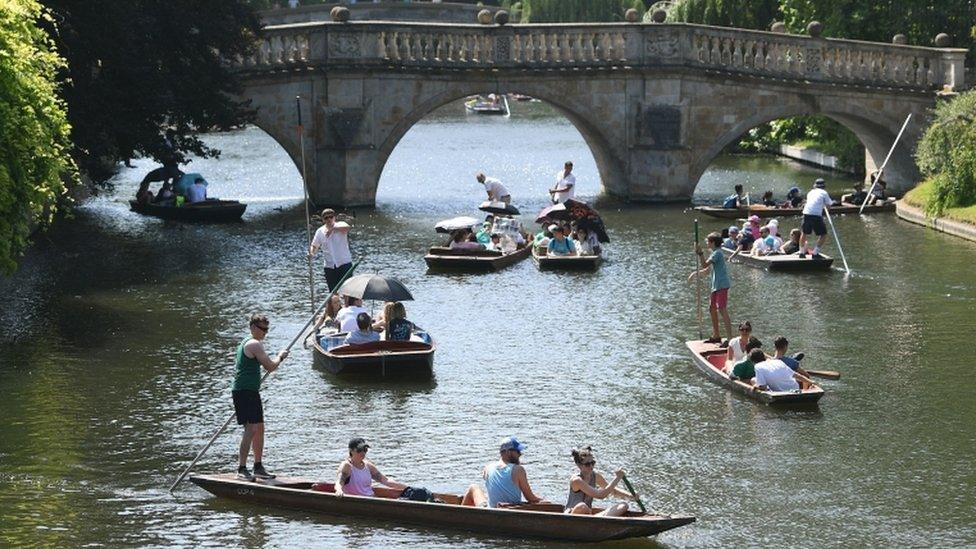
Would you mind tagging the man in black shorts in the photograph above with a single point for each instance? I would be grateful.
(813, 212)
(247, 400)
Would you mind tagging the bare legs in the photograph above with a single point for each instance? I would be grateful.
(616, 510)
(714, 313)
(474, 497)
(253, 439)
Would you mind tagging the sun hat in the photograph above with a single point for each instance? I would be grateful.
(753, 218)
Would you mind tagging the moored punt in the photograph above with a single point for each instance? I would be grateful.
(782, 262)
(536, 521)
(476, 261)
(480, 106)
(565, 262)
(710, 358)
(767, 211)
(414, 358)
(213, 211)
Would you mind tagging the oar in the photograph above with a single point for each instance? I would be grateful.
(634, 494)
(836, 239)
(826, 374)
(308, 215)
(698, 267)
(266, 374)
(880, 171)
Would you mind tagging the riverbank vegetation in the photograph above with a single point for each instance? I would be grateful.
(946, 156)
(35, 166)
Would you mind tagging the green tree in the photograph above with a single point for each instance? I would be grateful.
(743, 14)
(34, 131)
(947, 154)
(139, 66)
(576, 11)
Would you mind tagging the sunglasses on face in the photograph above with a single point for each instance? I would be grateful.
(264, 328)
(589, 463)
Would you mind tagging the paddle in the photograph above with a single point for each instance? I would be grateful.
(877, 177)
(266, 374)
(826, 374)
(837, 239)
(634, 494)
(698, 267)
(308, 215)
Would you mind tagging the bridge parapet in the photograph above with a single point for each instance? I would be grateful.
(609, 46)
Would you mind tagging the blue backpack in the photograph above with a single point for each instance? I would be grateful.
(731, 202)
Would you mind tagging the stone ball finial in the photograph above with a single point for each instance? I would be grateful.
(340, 14)
(484, 17)
(815, 29)
(943, 40)
(778, 27)
(501, 17)
(899, 39)
(659, 15)
(631, 15)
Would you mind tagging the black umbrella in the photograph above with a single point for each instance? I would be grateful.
(374, 286)
(498, 208)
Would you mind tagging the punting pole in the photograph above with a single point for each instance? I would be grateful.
(633, 493)
(837, 239)
(698, 266)
(880, 171)
(308, 214)
(266, 374)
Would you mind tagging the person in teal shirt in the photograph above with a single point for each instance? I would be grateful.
(559, 244)
(484, 235)
(719, 299)
(248, 408)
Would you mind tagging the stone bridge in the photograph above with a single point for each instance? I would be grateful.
(655, 102)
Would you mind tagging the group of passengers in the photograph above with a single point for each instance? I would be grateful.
(747, 362)
(489, 236)
(505, 481)
(795, 199)
(197, 192)
(760, 240)
(347, 315)
(567, 239)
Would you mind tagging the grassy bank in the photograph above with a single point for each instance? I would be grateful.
(919, 197)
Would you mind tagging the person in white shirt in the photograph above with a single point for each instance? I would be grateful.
(774, 375)
(565, 185)
(587, 242)
(497, 192)
(813, 211)
(197, 192)
(346, 317)
(333, 239)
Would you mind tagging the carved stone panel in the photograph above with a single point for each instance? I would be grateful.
(503, 49)
(659, 127)
(344, 126)
(661, 47)
(344, 45)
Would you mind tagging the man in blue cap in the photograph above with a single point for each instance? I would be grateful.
(505, 480)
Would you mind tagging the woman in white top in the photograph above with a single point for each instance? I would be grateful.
(737, 345)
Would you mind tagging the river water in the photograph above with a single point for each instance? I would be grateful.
(118, 333)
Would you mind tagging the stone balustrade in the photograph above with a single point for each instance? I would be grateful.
(606, 46)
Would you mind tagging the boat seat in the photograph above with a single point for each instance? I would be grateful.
(378, 346)
(441, 250)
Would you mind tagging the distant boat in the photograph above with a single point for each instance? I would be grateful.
(769, 211)
(565, 262)
(783, 262)
(520, 97)
(482, 105)
(209, 211)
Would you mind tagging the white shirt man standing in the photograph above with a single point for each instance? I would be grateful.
(565, 185)
(333, 239)
(813, 210)
(497, 192)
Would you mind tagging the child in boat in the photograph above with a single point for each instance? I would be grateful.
(719, 298)
(587, 485)
(731, 242)
(792, 245)
(356, 474)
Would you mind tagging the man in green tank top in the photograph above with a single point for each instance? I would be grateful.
(251, 356)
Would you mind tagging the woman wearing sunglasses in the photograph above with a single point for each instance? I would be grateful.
(588, 485)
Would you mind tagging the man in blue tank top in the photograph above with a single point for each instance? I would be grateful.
(505, 480)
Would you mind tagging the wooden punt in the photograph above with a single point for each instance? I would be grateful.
(473, 261)
(710, 358)
(565, 263)
(383, 358)
(767, 211)
(534, 521)
(209, 211)
(780, 262)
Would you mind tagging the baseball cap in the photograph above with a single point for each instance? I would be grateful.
(554, 227)
(794, 190)
(358, 444)
(733, 229)
(819, 182)
(511, 443)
